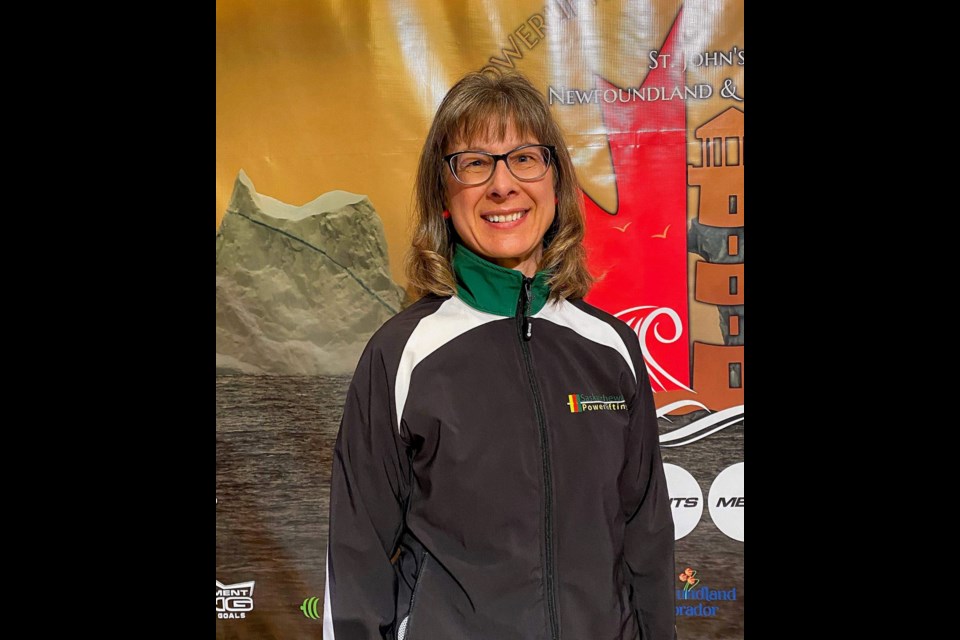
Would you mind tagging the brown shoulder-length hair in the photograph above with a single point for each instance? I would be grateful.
(481, 103)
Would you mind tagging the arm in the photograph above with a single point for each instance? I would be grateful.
(368, 491)
(649, 535)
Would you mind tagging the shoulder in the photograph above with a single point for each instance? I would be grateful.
(602, 326)
(388, 341)
(597, 315)
(398, 328)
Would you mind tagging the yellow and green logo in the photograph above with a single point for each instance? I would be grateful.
(580, 402)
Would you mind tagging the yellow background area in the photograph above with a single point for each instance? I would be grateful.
(318, 95)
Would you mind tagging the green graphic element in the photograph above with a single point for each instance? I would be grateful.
(309, 608)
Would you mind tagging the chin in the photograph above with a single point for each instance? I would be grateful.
(510, 253)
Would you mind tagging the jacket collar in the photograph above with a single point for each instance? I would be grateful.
(494, 289)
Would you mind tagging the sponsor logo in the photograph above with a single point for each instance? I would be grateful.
(690, 580)
(234, 600)
(726, 501)
(694, 601)
(580, 402)
(686, 499)
(309, 608)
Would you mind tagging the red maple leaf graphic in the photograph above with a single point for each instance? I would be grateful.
(640, 249)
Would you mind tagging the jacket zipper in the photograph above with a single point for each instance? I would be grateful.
(525, 332)
(405, 631)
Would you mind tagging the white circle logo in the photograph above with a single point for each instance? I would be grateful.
(726, 501)
(686, 499)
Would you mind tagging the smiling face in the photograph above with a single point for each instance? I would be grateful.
(504, 219)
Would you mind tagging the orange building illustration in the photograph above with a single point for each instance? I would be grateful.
(716, 235)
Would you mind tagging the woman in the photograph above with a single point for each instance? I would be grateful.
(497, 473)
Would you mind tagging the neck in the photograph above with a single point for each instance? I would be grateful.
(526, 265)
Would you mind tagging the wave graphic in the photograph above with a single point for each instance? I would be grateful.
(701, 427)
(641, 323)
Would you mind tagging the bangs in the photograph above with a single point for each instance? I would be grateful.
(489, 116)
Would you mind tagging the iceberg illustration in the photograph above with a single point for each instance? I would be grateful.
(300, 289)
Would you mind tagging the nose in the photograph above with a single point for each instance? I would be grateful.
(502, 183)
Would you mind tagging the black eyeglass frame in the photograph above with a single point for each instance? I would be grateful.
(448, 159)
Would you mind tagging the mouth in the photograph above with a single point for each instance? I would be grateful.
(502, 217)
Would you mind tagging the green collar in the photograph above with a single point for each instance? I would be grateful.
(489, 287)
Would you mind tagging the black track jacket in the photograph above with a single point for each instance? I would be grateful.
(497, 475)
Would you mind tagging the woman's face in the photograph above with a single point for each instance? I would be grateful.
(511, 243)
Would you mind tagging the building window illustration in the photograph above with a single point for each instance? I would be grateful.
(718, 152)
(732, 205)
(734, 325)
(733, 285)
(736, 380)
(733, 244)
(733, 151)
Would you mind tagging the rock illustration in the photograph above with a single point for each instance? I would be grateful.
(300, 289)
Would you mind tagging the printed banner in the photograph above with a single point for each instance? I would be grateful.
(322, 108)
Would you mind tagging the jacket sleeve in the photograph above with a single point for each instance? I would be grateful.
(369, 487)
(649, 537)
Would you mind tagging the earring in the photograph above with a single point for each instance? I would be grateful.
(446, 214)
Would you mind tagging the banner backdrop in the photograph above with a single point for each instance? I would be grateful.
(322, 107)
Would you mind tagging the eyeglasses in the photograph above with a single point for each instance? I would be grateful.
(527, 163)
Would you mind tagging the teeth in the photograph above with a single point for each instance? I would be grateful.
(507, 218)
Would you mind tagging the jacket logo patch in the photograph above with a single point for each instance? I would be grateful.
(579, 402)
